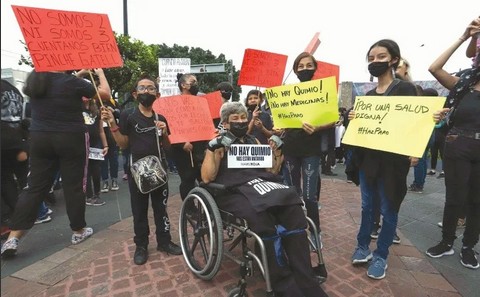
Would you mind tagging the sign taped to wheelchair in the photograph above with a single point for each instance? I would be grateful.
(250, 156)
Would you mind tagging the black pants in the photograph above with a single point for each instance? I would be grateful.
(140, 204)
(13, 179)
(437, 148)
(297, 276)
(93, 178)
(462, 183)
(48, 151)
(189, 173)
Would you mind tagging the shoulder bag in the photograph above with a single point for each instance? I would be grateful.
(148, 172)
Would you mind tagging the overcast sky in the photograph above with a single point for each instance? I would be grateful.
(423, 29)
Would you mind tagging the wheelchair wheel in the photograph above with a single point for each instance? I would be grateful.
(201, 233)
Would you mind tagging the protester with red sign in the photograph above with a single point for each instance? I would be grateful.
(58, 137)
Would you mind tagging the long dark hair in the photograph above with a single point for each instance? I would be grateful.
(37, 84)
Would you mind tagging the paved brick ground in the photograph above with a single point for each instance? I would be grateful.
(102, 265)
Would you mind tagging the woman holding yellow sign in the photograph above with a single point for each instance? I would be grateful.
(302, 149)
(382, 174)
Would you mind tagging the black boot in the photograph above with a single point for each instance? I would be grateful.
(298, 254)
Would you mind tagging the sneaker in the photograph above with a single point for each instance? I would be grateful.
(105, 187)
(49, 211)
(125, 176)
(415, 189)
(374, 234)
(361, 255)
(431, 172)
(377, 268)
(440, 224)
(44, 219)
(170, 248)
(440, 250)
(396, 239)
(9, 248)
(441, 175)
(95, 201)
(114, 185)
(77, 238)
(468, 258)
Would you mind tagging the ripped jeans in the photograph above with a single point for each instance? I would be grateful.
(306, 170)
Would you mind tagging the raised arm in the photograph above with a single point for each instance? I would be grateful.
(436, 69)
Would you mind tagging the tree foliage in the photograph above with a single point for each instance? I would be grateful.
(140, 58)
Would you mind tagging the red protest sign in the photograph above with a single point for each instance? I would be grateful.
(262, 69)
(188, 117)
(313, 45)
(215, 102)
(326, 70)
(67, 40)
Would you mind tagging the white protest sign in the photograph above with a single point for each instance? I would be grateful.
(95, 153)
(250, 156)
(168, 69)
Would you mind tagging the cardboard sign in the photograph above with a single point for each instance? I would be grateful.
(262, 69)
(67, 40)
(314, 102)
(396, 124)
(188, 117)
(249, 156)
(168, 68)
(95, 153)
(215, 102)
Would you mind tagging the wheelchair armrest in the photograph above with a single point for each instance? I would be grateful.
(213, 186)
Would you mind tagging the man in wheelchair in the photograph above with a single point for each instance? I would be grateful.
(271, 209)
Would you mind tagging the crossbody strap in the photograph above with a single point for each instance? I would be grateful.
(391, 86)
(158, 141)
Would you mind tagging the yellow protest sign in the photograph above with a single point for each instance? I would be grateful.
(397, 124)
(314, 102)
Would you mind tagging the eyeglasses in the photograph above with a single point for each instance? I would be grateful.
(150, 89)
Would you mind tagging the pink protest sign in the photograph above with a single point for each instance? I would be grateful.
(262, 69)
(67, 40)
(188, 117)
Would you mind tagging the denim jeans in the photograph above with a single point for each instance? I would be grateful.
(389, 221)
(305, 169)
(110, 164)
(420, 171)
(42, 210)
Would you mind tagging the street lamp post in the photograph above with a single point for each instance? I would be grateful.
(125, 18)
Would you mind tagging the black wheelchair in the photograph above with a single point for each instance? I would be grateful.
(203, 227)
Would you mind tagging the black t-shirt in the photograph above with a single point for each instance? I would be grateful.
(298, 143)
(267, 123)
(141, 133)
(60, 110)
(466, 115)
(93, 122)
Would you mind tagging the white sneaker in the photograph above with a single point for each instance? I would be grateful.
(77, 238)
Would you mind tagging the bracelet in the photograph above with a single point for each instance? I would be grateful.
(115, 129)
(105, 147)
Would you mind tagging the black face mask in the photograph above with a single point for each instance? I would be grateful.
(226, 95)
(194, 90)
(239, 129)
(146, 99)
(305, 75)
(252, 107)
(378, 68)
